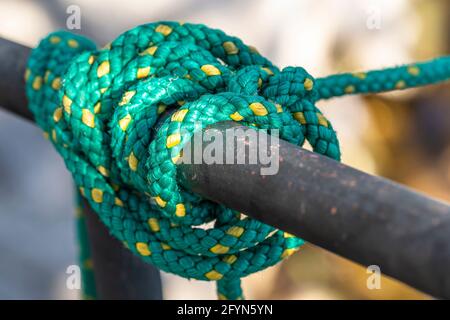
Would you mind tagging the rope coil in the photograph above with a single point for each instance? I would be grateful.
(100, 108)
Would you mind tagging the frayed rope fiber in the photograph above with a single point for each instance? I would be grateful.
(100, 107)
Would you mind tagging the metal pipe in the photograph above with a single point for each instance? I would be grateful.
(12, 84)
(118, 273)
(364, 218)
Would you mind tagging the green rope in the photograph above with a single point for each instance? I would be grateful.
(100, 107)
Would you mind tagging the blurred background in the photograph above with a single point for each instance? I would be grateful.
(402, 136)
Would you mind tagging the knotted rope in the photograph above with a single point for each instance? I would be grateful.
(100, 108)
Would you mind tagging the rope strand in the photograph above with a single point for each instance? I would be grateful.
(376, 81)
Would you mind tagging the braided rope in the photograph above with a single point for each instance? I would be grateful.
(99, 108)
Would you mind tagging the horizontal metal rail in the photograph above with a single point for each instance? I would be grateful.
(367, 219)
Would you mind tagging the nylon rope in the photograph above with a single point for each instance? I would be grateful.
(99, 108)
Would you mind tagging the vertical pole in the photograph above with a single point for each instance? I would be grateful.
(119, 274)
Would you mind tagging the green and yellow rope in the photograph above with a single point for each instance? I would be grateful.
(100, 108)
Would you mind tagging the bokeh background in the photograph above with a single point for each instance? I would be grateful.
(402, 136)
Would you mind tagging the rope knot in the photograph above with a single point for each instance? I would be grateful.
(101, 109)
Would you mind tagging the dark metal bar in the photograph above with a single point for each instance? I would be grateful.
(12, 85)
(361, 217)
(367, 219)
(118, 273)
